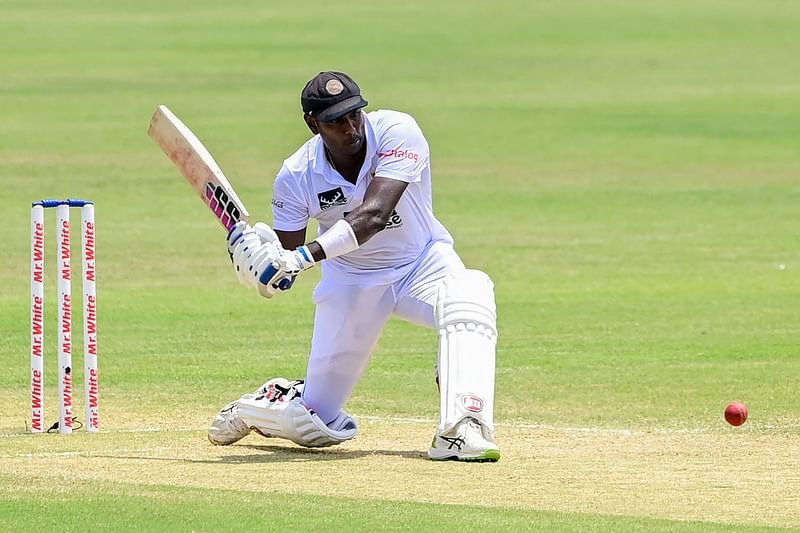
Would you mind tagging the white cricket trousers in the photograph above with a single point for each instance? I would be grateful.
(349, 320)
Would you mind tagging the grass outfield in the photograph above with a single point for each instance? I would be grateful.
(627, 173)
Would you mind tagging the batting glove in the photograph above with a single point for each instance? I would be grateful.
(289, 265)
(255, 252)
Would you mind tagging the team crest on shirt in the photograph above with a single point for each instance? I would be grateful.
(331, 198)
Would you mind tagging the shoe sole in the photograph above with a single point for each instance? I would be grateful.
(489, 456)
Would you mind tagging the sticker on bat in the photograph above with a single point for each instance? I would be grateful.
(220, 204)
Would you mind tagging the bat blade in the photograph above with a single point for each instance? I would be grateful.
(197, 166)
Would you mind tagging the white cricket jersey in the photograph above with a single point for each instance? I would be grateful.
(307, 187)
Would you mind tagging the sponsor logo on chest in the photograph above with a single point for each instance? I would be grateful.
(331, 198)
(399, 154)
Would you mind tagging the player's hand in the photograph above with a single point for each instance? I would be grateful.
(289, 265)
(242, 230)
(255, 252)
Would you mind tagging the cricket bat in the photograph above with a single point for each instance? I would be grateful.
(197, 166)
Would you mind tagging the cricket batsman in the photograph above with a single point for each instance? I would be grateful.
(366, 179)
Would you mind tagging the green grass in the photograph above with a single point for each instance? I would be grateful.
(160, 508)
(625, 171)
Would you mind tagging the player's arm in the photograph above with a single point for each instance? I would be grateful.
(366, 220)
(380, 200)
(291, 240)
(363, 222)
(274, 268)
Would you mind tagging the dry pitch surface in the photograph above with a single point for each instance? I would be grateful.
(746, 476)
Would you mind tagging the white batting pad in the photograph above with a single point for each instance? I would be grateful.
(290, 419)
(466, 317)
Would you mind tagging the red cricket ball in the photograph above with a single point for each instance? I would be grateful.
(736, 413)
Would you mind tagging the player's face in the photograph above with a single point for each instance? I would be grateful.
(344, 136)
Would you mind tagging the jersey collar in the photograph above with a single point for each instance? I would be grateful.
(323, 167)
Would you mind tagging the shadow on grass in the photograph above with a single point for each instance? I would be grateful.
(264, 454)
(279, 454)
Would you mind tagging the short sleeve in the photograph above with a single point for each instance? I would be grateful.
(402, 151)
(289, 211)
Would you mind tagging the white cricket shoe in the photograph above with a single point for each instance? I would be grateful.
(465, 442)
(227, 427)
